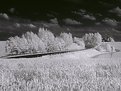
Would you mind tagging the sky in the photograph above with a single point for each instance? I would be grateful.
(40, 8)
(39, 3)
(44, 10)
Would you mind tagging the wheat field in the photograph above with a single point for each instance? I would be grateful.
(60, 74)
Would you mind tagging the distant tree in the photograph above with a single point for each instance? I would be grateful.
(47, 37)
(12, 45)
(45, 41)
(67, 37)
(110, 39)
(80, 42)
(59, 44)
(106, 48)
(92, 39)
(37, 44)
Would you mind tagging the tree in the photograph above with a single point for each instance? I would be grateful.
(59, 44)
(37, 44)
(80, 42)
(110, 39)
(67, 37)
(12, 45)
(47, 37)
(92, 40)
(106, 48)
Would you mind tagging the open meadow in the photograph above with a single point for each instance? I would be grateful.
(76, 71)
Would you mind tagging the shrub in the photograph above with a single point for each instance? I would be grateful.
(110, 39)
(92, 40)
(106, 48)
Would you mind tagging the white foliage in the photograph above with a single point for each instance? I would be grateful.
(110, 39)
(92, 39)
(12, 45)
(46, 42)
(28, 43)
(109, 48)
(47, 37)
(35, 43)
(40, 46)
(67, 37)
(80, 42)
(59, 44)
(106, 48)
(22, 44)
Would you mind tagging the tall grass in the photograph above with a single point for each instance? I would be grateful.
(60, 76)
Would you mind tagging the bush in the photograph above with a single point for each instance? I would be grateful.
(106, 48)
(92, 40)
(110, 39)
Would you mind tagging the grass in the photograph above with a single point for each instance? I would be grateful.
(46, 74)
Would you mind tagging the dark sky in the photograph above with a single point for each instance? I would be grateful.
(39, 3)
(60, 9)
(33, 8)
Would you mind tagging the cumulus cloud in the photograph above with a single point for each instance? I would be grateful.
(116, 10)
(72, 22)
(90, 17)
(54, 21)
(12, 10)
(111, 22)
(4, 15)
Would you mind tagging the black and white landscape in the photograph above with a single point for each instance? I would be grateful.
(60, 45)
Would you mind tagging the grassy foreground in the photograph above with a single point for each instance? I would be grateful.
(45, 74)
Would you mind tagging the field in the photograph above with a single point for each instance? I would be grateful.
(76, 71)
